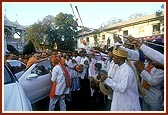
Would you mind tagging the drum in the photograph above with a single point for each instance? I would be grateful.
(97, 78)
(94, 84)
(79, 68)
(105, 89)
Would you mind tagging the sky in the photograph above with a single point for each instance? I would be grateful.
(93, 14)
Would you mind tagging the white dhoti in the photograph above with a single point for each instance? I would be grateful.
(53, 101)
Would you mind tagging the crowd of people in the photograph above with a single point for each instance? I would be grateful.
(133, 72)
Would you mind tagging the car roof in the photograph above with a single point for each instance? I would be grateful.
(42, 60)
(18, 61)
(10, 60)
(14, 61)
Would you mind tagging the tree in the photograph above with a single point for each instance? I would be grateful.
(50, 30)
(113, 20)
(160, 16)
(39, 32)
(35, 33)
(29, 48)
(65, 31)
(136, 15)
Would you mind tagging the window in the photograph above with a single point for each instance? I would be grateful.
(156, 28)
(125, 33)
(141, 30)
(87, 39)
(103, 37)
(42, 68)
(8, 77)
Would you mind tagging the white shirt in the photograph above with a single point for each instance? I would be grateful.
(58, 76)
(154, 95)
(77, 59)
(125, 90)
(91, 67)
(112, 69)
(104, 64)
(82, 74)
(87, 48)
(152, 54)
(132, 54)
(83, 59)
(69, 67)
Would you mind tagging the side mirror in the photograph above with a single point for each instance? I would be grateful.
(31, 76)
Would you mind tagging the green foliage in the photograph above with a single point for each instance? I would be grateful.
(29, 48)
(35, 33)
(12, 49)
(50, 31)
(160, 16)
(66, 26)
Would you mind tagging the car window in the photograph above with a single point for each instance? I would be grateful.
(42, 68)
(16, 66)
(8, 77)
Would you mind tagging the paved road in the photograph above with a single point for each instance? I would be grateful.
(78, 104)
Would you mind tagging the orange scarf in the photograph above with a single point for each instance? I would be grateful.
(145, 83)
(53, 88)
(52, 92)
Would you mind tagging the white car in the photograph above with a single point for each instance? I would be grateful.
(17, 67)
(36, 81)
(14, 95)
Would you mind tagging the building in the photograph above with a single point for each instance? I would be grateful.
(12, 29)
(146, 27)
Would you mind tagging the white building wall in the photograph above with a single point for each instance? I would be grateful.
(79, 43)
(136, 30)
(91, 41)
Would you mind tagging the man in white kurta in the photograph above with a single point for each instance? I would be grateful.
(75, 83)
(60, 91)
(124, 85)
(85, 66)
(153, 87)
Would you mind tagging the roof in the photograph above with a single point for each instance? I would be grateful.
(9, 23)
(143, 19)
(133, 21)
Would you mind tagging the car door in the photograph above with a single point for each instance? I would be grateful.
(37, 81)
(14, 95)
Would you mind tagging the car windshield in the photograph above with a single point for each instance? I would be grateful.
(15, 63)
(16, 66)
